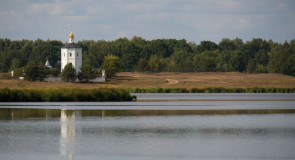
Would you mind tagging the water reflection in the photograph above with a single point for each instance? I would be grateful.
(11, 114)
(68, 132)
(141, 134)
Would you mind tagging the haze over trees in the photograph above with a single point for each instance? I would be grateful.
(138, 54)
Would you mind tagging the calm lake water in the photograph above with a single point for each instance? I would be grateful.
(158, 126)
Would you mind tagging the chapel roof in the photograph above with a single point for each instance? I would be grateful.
(71, 45)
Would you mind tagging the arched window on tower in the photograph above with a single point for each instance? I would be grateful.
(70, 54)
(77, 54)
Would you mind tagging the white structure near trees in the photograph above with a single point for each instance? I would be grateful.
(47, 64)
(71, 53)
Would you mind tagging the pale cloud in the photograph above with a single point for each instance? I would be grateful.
(194, 20)
(51, 8)
(92, 10)
(7, 19)
(145, 6)
(281, 6)
(230, 4)
(77, 18)
(241, 22)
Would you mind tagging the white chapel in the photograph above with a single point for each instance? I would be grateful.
(71, 53)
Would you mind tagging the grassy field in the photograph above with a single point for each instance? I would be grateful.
(201, 80)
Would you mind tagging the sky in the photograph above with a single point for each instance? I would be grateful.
(193, 20)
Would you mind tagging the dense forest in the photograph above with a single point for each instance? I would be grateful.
(138, 54)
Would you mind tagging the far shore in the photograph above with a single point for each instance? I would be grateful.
(199, 80)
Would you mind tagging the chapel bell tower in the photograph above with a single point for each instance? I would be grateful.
(71, 37)
(71, 53)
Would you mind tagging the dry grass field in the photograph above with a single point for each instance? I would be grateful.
(171, 80)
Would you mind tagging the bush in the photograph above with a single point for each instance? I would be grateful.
(69, 73)
(86, 73)
(18, 72)
(260, 69)
(33, 72)
(54, 72)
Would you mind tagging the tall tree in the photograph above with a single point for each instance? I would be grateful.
(291, 65)
(226, 44)
(111, 65)
(33, 72)
(87, 73)
(156, 63)
(69, 73)
(277, 62)
(206, 46)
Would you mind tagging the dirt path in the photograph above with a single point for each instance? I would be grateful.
(171, 81)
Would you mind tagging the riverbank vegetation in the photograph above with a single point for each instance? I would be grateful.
(63, 95)
(212, 90)
(161, 55)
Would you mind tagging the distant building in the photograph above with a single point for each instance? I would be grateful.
(71, 53)
(47, 64)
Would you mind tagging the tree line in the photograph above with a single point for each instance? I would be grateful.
(171, 55)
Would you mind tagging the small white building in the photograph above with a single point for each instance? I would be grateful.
(71, 53)
(47, 64)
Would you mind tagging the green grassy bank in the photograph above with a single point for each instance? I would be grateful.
(212, 90)
(64, 95)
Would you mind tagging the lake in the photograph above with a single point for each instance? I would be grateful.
(157, 126)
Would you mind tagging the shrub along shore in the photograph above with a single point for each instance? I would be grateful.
(64, 95)
(212, 90)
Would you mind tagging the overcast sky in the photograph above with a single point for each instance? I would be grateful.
(193, 20)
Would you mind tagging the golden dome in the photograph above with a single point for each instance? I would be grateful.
(71, 35)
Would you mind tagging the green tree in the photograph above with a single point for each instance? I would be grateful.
(69, 73)
(206, 46)
(15, 63)
(111, 65)
(156, 63)
(205, 62)
(130, 56)
(236, 61)
(291, 65)
(87, 73)
(142, 65)
(260, 69)
(180, 61)
(3, 67)
(251, 67)
(160, 48)
(278, 62)
(18, 72)
(33, 72)
(54, 72)
(226, 44)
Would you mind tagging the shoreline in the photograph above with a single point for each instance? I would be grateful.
(64, 95)
(212, 90)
